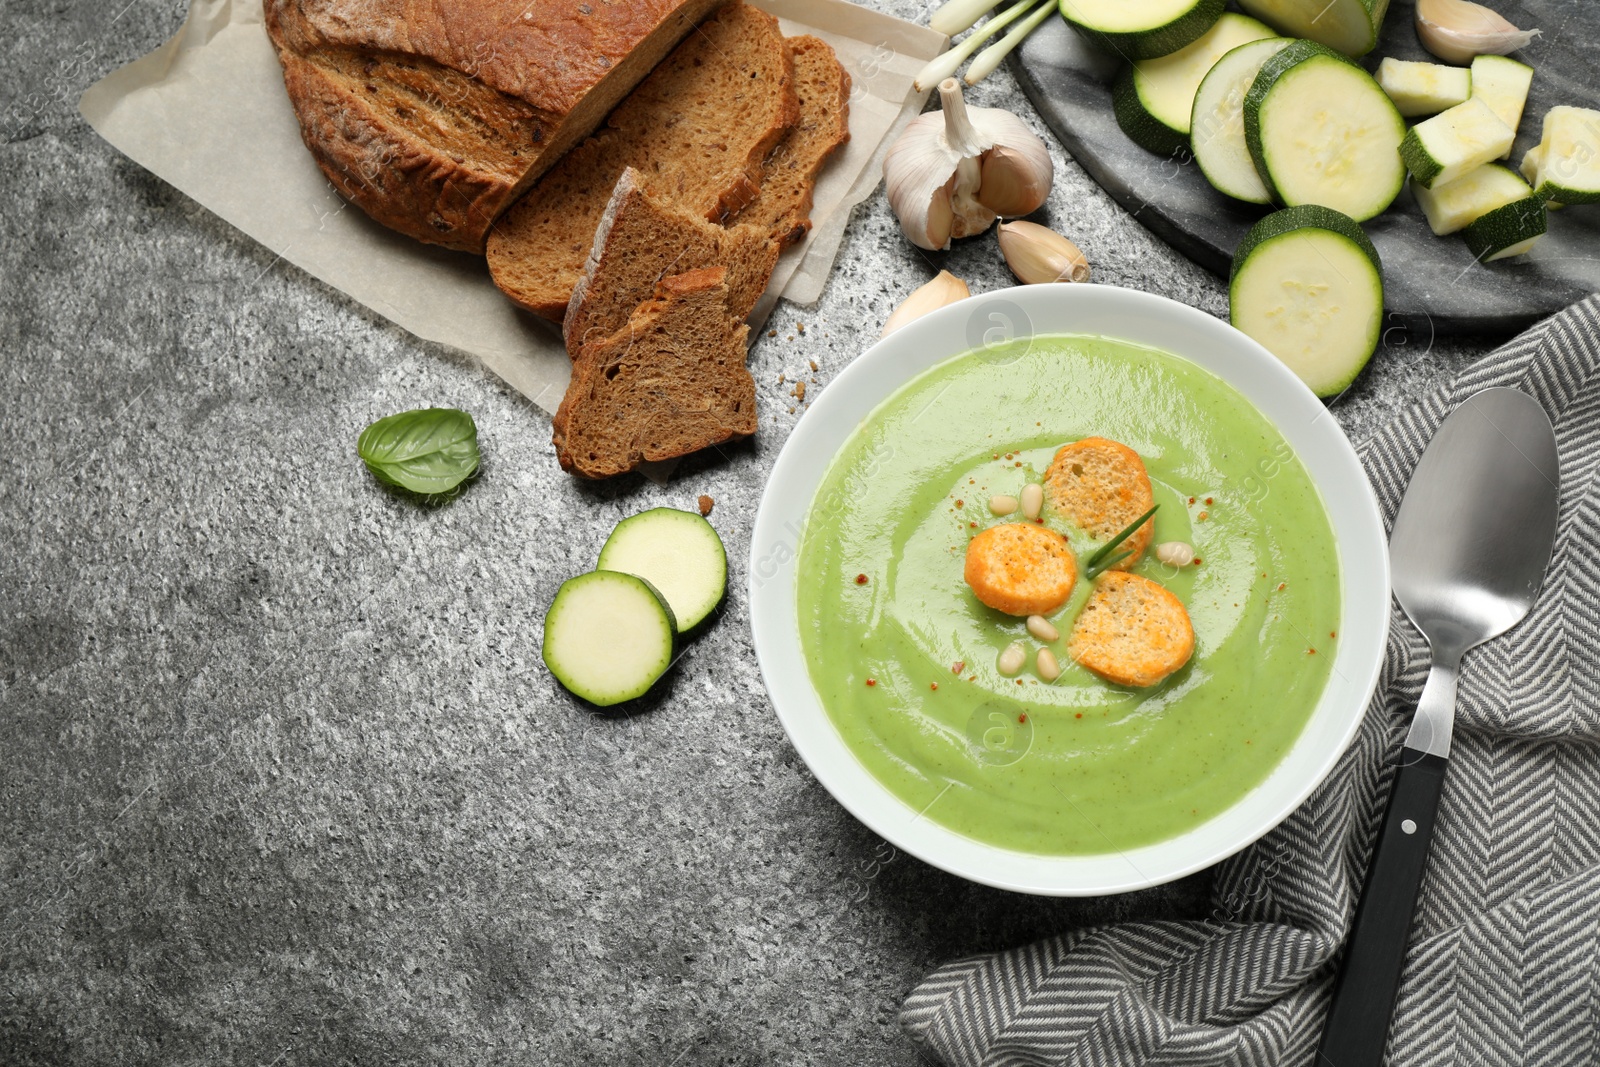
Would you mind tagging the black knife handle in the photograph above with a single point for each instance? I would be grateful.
(1369, 978)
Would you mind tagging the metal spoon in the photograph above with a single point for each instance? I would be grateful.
(1468, 550)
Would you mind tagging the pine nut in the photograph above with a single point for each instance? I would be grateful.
(1047, 666)
(1175, 553)
(1012, 659)
(1002, 505)
(1040, 627)
(1032, 500)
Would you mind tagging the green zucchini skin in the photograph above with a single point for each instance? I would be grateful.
(1418, 160)
(1152, 43)
(1142, 128)
(1312, 216)
(1282, 17)
(1505, 226)
(1566, 195)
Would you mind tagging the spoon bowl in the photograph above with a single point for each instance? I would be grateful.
(1473, 537)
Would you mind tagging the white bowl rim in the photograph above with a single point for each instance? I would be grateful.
(1142, 318)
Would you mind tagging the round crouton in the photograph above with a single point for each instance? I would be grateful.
(1132, 631)
(1101, 485)
(1021, 569)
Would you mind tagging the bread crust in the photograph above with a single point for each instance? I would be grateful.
(433, 117)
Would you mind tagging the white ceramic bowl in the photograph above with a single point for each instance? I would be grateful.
(1127, 315)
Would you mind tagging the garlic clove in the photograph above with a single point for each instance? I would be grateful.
(945, 288)
(939, 220)
(1037, 254)
(1015, 179)
(1458, 30)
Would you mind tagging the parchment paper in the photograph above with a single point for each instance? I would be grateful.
(207, 112)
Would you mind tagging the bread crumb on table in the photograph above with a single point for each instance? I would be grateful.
(706, 504)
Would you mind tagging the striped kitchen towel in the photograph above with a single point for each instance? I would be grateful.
(1501, 968)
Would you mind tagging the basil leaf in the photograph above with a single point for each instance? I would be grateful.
(428, 451)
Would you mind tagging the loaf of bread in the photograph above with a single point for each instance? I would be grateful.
(672, 381)
(434, 117)
(698, 131)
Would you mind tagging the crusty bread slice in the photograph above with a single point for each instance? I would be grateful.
(697, 129)
(641, 240)
(672, 381)
(1132, 631)
(789, 175)
(1101, 486)
(433, 117)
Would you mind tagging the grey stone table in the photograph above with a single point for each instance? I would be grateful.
(282, 779)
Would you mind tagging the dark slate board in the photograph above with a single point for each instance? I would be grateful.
(1431, 283)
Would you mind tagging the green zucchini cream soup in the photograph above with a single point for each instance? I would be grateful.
(1001, 726)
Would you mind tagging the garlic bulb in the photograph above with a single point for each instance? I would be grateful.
(945, 288)
(953, 171)
(1458, 30)
(1037, 254)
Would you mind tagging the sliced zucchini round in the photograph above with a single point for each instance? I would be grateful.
(1506, 231)
(1348, 26)
(1141, 29)
(1216, 125)
(1322, 132)
(1308, 286)
(1154, 98)
(678, 553)
(608, 636)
